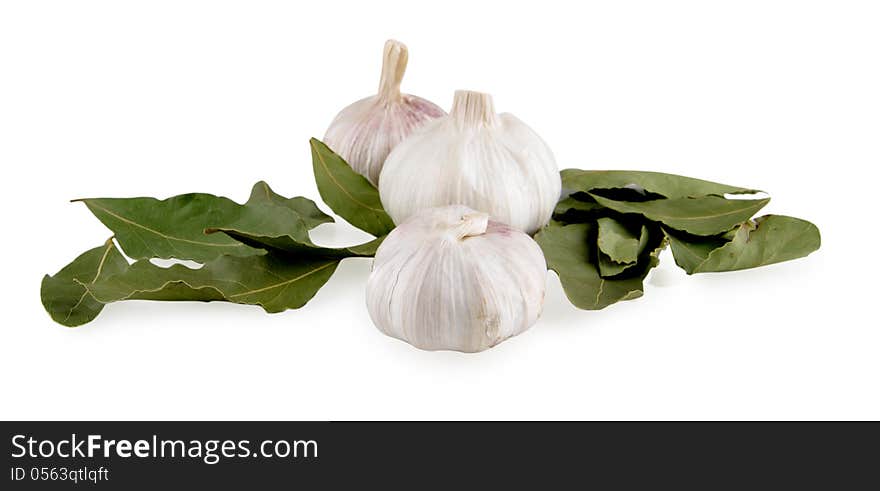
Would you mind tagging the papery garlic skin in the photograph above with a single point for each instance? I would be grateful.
(475, 157)
(365, 132)
(451, 279)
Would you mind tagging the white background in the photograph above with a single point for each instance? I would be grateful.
(160, 98)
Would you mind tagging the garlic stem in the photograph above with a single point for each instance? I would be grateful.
(472, 225)
(394, 58)
(471, 108)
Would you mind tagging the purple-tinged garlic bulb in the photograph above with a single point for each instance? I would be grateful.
(450, 278)
(365, 132)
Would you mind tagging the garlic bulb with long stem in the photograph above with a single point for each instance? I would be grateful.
(366, 131)
(450, 278)
(475, 157)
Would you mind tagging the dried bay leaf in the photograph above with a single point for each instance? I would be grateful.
(572, 209)
(568, 250)
(171, 228)
(619, 248)
(265, 226)
(348, 193)
(302, 246)
(690, 251)
(311, 215)
(240, 265)
(617, 241)
(707, 215)
(274, 281)
(572, 204)
(766, 240)
(668, 185)
(608, 267)
(64, 295)
(175, 227)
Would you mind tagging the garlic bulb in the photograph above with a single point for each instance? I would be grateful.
(365, 132)
(490, 162)
(451, 279)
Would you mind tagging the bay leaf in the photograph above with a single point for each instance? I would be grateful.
(274, 281)
(297, 244)
(668, 185)
(268, 226)
(64, 295)
(690, 251)
(766, 240)
(311, 215)
(348, 193)
(609, 268)
(573, 204)
(175, 227)
(171, 228)
(617, 241)
(707, 215)
(568, 250)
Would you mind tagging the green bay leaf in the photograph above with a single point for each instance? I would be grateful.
(769, 239)
(572, 209)
(64, 295)
(175, 227)
(765, 240)
(608, 267)
(668, 185)
(276, 282)
(298, 244)
(268, 226)
(348, 193)
(569, 249)
(707, 215)
(690, 251)
(572, 204)
(617, 241)
(171, 228)
(305, 208)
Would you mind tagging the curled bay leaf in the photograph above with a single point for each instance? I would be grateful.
(668, 185)
(619, 248)
(619, 243)
(707, 215)
(690, 251)
(568, 249)
(348, 193)
(609, 268)
(766, 240)
(64, 295)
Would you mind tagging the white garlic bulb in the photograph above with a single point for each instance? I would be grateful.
(365, 132)
(490, 162)
(451, 279)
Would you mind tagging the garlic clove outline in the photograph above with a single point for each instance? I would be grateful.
(449, 278)
(366, 131)
(490, 162)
